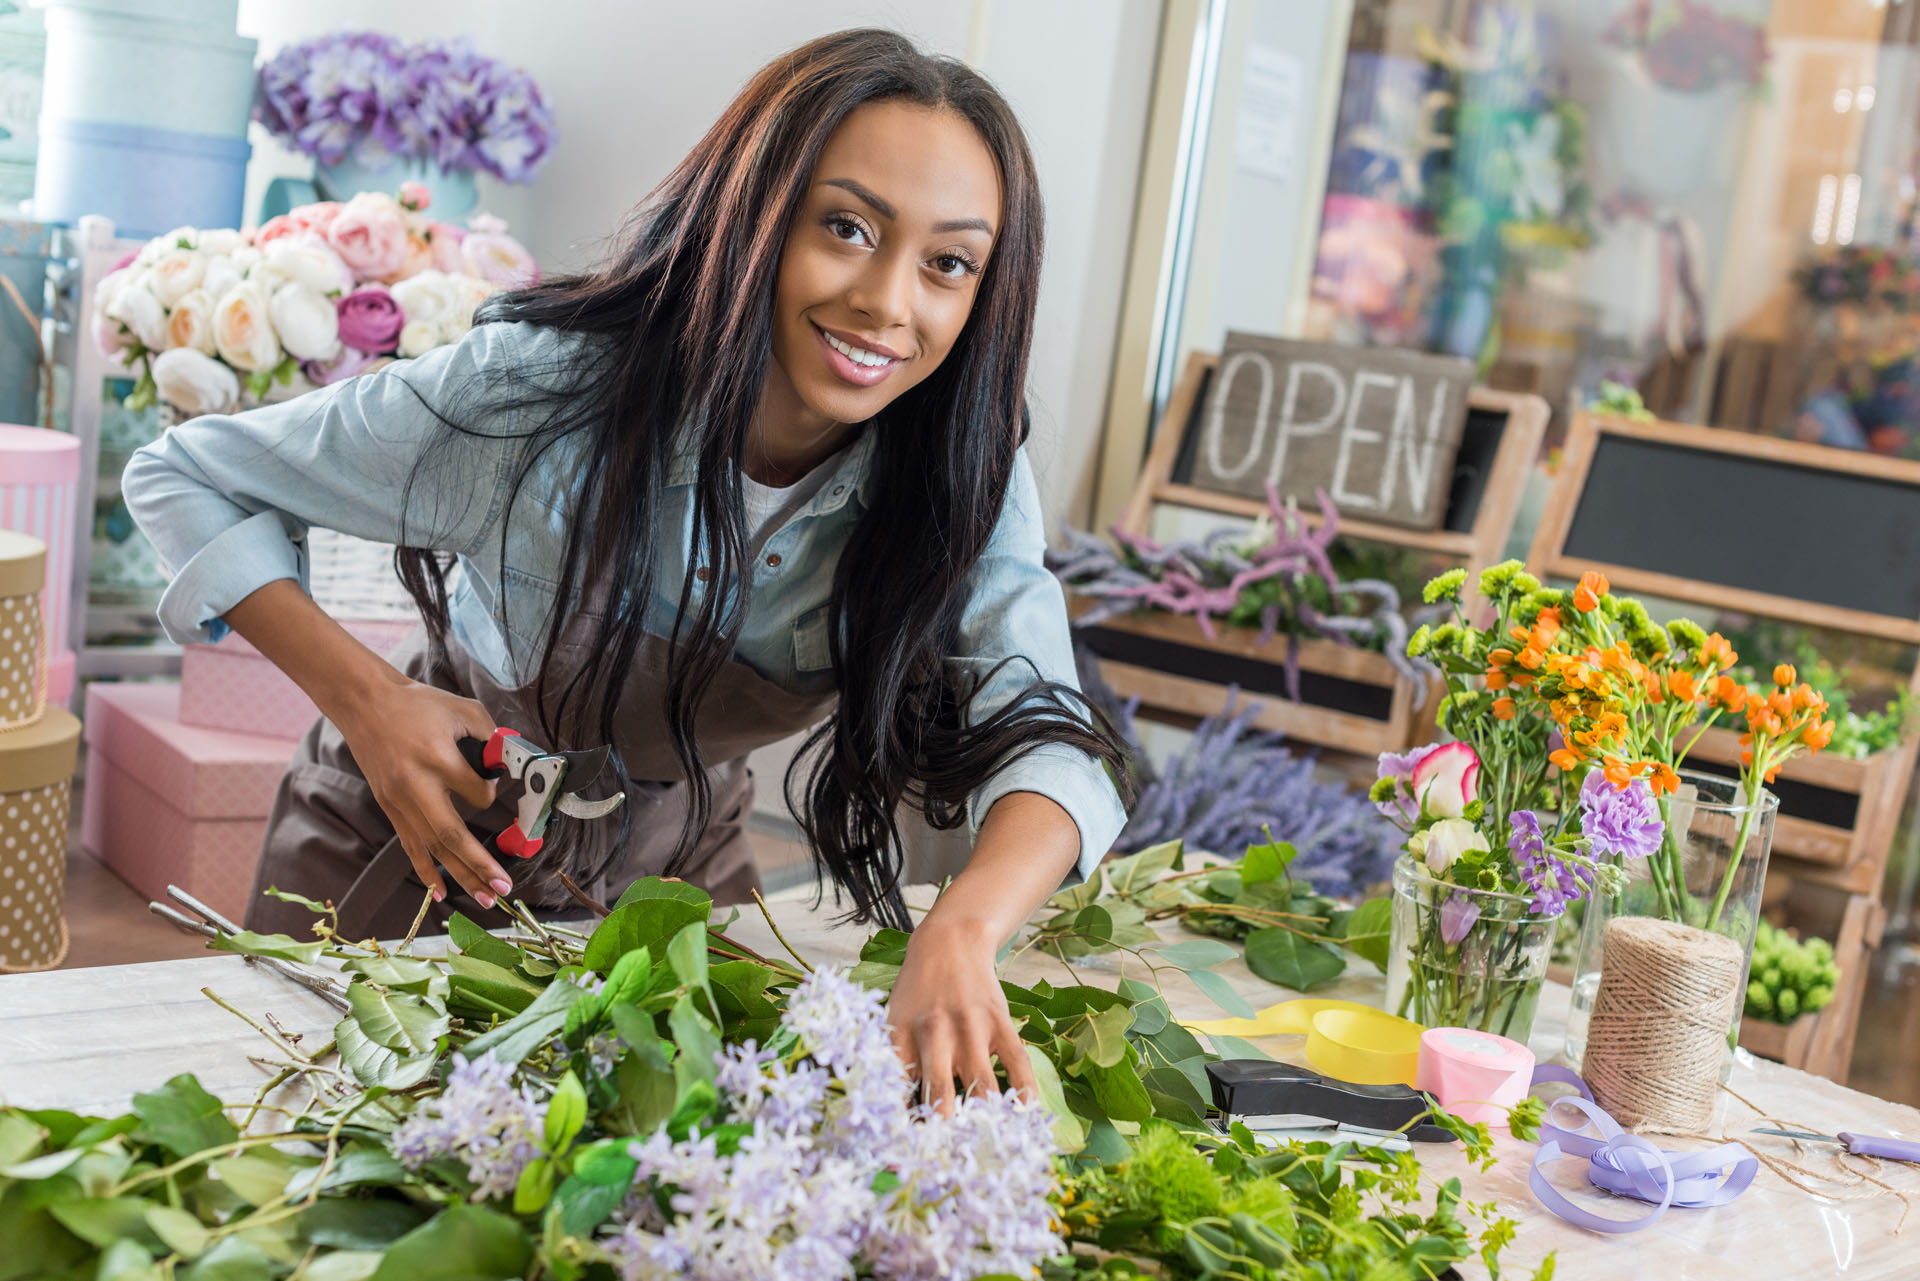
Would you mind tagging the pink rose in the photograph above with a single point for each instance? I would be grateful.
(370, 320)
(370, 234)
(445, 239)
(1447, 780)
(497, 258)
(350, 363)
(315, 218)
(415, 196)
(419, 256)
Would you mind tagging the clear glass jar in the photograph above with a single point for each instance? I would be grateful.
(1461, 957)
(1709, 872)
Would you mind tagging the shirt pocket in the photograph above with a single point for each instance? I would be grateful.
(811, 652)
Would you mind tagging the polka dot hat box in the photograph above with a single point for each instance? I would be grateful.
(36, 775)
(167, 803)
(23, 637)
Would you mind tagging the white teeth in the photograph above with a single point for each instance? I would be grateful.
(858, 355)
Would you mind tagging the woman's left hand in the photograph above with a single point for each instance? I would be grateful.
(948, 1016)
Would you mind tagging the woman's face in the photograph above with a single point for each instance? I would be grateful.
(883, 262)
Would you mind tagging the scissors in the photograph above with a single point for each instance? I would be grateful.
(548, 781)
(1858, 1144)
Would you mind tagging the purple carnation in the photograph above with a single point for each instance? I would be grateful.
(1621, 821)
(1554, 882)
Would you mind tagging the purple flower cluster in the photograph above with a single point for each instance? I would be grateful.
(966, 1195)
(1621, 821)
(373, 96)
(492, 1125)
(1555, 881)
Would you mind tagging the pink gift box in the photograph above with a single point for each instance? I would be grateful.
(167, 803)
(232, 686)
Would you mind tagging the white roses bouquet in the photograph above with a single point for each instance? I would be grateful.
(217, 319)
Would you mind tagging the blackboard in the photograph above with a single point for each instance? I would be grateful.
(1374, 428)
(1840, 538)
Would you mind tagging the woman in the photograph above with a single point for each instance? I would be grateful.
(760, 472)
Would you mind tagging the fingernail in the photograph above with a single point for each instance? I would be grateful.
(483, 898)
(439, 894)
(502, 884)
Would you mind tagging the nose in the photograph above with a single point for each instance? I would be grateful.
(883, 292)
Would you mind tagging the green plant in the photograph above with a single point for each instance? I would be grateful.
(1789, 977)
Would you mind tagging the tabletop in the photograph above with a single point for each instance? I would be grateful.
(87, 1040)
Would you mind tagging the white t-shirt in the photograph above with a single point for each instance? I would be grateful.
(765, 504)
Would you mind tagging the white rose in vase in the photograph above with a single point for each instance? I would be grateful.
(222, 241)
(1447, 840)
(194, 383)
(221, 275)
(190, 323)
(427, 297)
(135, 307)
(306, 321)
(468, 293)
(175, 274)
(418, 337)
(243, 331)
(310, 260)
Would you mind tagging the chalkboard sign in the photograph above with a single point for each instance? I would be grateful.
(1821, 536)
(1375, 428)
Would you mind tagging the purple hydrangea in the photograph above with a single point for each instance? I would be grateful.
(481, 1117)
(1555, 881)
(371, 96)
(1621, 821)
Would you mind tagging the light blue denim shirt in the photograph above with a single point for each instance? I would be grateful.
(228, 499)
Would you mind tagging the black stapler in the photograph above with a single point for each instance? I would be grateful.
(1269, 1096)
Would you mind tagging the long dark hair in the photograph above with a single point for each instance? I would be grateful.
(684, 312)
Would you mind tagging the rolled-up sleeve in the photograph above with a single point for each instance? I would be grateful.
(1018, 612)
(227, 499)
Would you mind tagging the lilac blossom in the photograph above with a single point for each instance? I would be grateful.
(1555, 876)
(482, 1118)
(373, 97)
(1624, 822)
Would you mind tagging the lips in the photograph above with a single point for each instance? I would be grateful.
(846, 370)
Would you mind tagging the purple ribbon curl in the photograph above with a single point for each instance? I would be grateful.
(1628, 1165)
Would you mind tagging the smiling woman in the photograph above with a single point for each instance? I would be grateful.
(761, 471)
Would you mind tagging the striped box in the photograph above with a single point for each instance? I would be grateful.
(39, 476)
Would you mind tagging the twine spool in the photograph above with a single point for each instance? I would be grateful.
(1659, 1024)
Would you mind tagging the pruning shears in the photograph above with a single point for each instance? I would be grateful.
(548, 781)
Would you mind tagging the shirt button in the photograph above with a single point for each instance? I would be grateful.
(703, 573)
(773, 561)
(839, 490)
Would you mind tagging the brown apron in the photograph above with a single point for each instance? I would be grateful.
(328, 839)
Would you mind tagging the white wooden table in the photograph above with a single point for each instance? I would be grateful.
(89, 1039)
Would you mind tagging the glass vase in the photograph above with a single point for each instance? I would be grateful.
(1709, 872)
(1460, 957)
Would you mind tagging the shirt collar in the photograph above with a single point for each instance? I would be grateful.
(852, 472)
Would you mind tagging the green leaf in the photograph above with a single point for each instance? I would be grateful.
(1233, 1047)
(364, 1165)
(101, 1221)
(1216, 989)
(566, 1113)
(1101, 1038)
(698, 1103)
(1095, 924)
(476, 942)
(1368, 930)
(256, 1177)
(464, 1243)
(1069, 1132)
(584, 1205)
(489, 986)
(373, 1064)
(888, 947)
(687, 955)
(184, 1234)
(1197, 954)
(359, 1223)
(533, 1027)
(697, 1041)
(630, 978)
(288, 896)
(535, 1188)
(1134, 873)
(401, 973)
(646, 1093)
(343, 1265)
(20, 1138)
(404, 1022)
(127, 1261)
(182, 1118)
(1283, 957)
(1119, 1091)
(650, 913)
(44, 1166)
(1265, 863)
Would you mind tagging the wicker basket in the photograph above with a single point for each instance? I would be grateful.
(352, 578)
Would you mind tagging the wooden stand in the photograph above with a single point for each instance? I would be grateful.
(1352, 699)
(1838, 815)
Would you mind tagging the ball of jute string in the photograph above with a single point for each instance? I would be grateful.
(1659, 1023)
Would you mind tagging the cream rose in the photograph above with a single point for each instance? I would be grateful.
(175, 274)
(135, 307)
(427, 297)
(418, 337)
(222, 241)
(195, 383)
(221, 275)
(1447, 840)
(309, 259)
(370, 235)
(243, 331)
(190, 323)
(306, 321)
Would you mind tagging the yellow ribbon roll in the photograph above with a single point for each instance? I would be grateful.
(1346, 1040)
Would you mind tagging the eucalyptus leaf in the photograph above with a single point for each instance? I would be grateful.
(401, 973)
(279, 947)
(1137, 871)
(1197, 954)
(343, 1265)
(363, 1165)
(1221, 993)
(256, 1176)
(1119, 1091)
(101, 1221)
(464, 1243)
(1283, 957)
(1233, 1047)
(128, 1261)
(1101, 1038)
(20, 1138)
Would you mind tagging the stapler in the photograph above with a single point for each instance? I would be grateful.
(1283, 1100)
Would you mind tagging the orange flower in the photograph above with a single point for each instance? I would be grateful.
(1803, 697)
(1729, 693)
(1784, 675)
(1498, 679)
(1546, 628)
(1503, 708)
(1531, 658)
(1566, 758)
(1500, 657)
(1682, 686)
(1586, 597)
(1718, 653)
(1662, 778)
(1520, 635)
(1817, 735)
(1780, 703)
(1651, 683)
(1617, 771)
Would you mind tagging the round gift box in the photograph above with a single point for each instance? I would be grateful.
(147, 181)
(36, 775)
(141, 65)
(23, 638)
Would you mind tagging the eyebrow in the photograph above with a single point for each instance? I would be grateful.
(886, 210)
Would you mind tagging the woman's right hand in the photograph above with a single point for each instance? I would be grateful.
(405, 737)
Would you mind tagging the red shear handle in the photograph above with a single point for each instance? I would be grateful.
(492, 757)
(517, 843)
